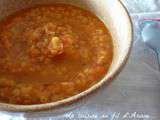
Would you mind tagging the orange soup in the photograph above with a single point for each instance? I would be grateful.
(51, 52)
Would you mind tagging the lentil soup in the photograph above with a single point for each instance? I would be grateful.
(51, 52)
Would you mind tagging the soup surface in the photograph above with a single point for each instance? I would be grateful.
(51, 52)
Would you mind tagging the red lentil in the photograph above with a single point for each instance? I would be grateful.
(49, 53)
